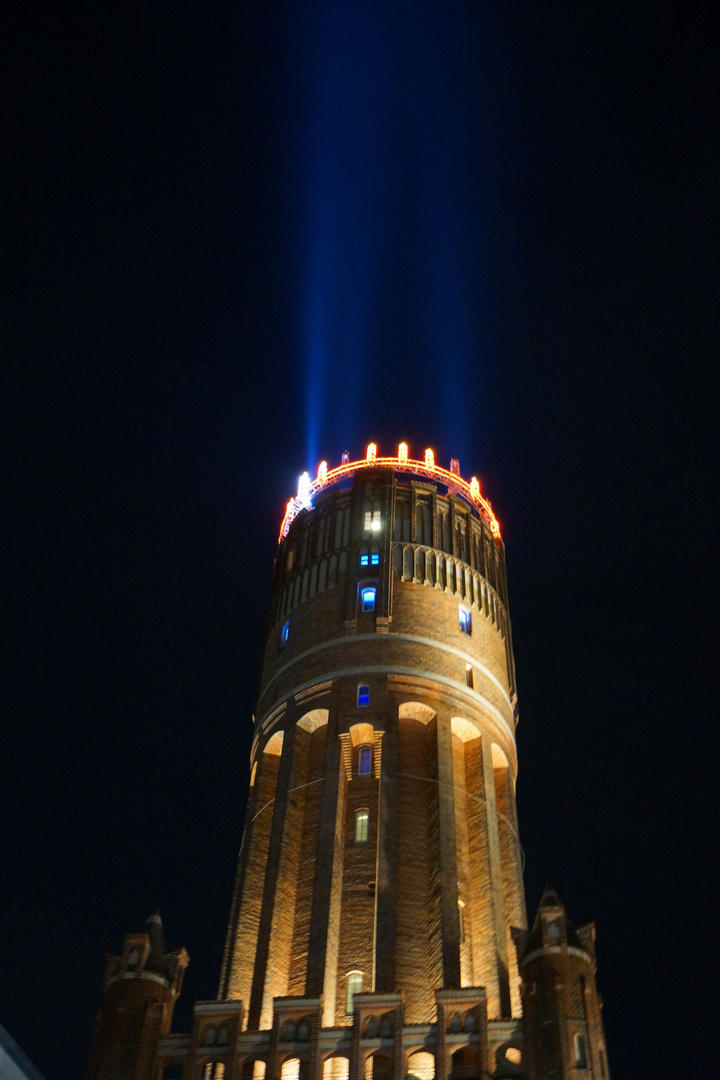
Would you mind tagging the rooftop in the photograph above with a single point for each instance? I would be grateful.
(451, 478)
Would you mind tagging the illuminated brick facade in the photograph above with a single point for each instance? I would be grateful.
(379, 900)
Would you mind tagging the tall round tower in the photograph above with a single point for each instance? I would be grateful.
(380, 851)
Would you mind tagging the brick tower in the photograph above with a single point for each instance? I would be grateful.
(381, 853)
(377, 928)
(140, 989)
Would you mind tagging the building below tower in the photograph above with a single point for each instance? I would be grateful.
(378, 925)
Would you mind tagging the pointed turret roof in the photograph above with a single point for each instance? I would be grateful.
(158, 948)
(534, 940)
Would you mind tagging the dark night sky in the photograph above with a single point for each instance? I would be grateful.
(238, 237)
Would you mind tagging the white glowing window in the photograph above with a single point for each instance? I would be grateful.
(367, 598)
(465, 618)
(373, 521)
(362, 826)
(364, 761)
(354, 986)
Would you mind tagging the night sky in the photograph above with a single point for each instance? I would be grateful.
(238, 238)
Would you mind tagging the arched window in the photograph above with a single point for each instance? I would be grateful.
(354, 986)
(465, 619)
(133, 958)
(284, 633)
(365, 761)
(362, 826)
(367, 598)
(580, 1055)
(461, 921)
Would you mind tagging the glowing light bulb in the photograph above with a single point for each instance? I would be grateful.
(429, 459)
(403, 453)
(322, 472)
(371, 452)
(475, 488)
(303, 492)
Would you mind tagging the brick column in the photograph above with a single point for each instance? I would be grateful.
(447, 854)
(495, 882)
(328, 863)
(271, 874)
(386, 882)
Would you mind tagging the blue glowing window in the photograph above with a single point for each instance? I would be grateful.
(364, 761)
(465, 618)
(375, 559)
(363, 697)
(284, 634)
(367, 597)
(364, 560)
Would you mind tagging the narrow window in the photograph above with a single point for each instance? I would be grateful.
(580, 1056)
(469, 675)
(362, 826)
(364, 761)
(372, 521)
(461, 921)
(367, 598)
(465, 618)
(364, 558)
(284, 634)
(363, 695)
(375, 558)
(354, 986)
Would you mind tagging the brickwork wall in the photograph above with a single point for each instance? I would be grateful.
(388, 652)
(500, 1006)
(418, 948)
(307, 847)
(481, 911)
(560, 1000)
(285, 892)
(335, 925)
(243, 960)
(133, 1016)
(356, 952)
(513, 896)
(462, 848)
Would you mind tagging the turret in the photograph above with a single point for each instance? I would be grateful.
(140, 989)
(562, 1015)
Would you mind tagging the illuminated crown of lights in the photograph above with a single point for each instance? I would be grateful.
(451, 478)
